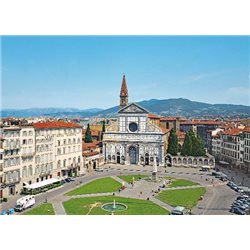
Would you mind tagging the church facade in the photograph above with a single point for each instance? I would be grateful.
(133, 139)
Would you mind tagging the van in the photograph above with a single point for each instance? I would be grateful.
(24, 203)
(205, 168)
(180, 211)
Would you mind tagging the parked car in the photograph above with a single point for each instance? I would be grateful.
(3, 212)
(180, 211)
(223, 178)
(237, 211)
(218, 174)
(11, 211)
(68, 179)
(243, 197)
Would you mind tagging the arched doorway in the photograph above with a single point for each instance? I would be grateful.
(132, 155)
(118, 158)
(146, 159)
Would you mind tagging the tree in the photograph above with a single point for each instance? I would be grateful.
(172, 143)
(201, 148)
(103, 129)
(187, 145)
(193, 145)
(88, 136)
(179, 148)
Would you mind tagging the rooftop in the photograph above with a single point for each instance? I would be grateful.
(55, 124)
(233, 131)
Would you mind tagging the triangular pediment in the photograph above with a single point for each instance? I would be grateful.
(133, 108)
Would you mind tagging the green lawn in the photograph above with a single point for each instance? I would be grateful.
(43, 209)
(181, 183)
(129, 178)
(187, 198)
(103, 185)
(92, 206)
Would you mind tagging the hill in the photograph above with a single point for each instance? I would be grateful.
(167, 107)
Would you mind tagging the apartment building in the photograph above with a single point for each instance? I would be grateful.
(1, 170)
(246, 158)
(232, 146)
(40, 151)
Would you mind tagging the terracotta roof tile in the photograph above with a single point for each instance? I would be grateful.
(90, 145)
(86, 154)
(233, 131)
(246, 129)
(202, 123)
(55, 124)
(168, 118)
(153, 116)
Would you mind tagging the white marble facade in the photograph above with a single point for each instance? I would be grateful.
(133, 140)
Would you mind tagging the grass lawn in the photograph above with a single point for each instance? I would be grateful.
(129, 178)
(43, 209)
(187, 198)
(181, 183)
(92, 206)
(103, 185)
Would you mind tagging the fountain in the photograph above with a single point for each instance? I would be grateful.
(114, 207)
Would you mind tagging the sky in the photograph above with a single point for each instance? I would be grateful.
(86, 71)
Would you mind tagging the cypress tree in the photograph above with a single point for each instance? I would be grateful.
(179, 148)
(201, 148)
(187, 145)
(88, 136)
(195, 144)
(172, 143)
(103, 129)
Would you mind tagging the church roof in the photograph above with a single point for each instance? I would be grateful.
(124, 89)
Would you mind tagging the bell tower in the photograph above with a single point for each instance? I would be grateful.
(123, 93)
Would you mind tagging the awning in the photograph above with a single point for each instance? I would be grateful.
(42, 183)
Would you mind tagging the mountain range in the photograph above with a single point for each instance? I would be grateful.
(166, 107)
